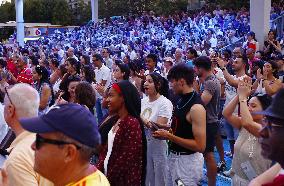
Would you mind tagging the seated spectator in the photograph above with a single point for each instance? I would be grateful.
(280, 62)
(271, 45)
(67, 136)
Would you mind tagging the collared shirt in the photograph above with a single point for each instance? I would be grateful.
(25, 76)
(102, 74)
(19, 164)
(96, 178)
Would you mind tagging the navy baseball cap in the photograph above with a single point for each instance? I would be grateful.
(73, 120)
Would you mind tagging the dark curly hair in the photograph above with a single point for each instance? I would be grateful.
(85, 95)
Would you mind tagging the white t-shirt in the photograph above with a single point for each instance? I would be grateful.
(231, 92)
(102, 74)
(162, 107)
(218, 73)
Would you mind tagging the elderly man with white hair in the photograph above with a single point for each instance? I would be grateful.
(21, 101)
(70, 53)
(179, 58)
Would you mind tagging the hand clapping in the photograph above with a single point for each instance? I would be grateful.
(244, 88)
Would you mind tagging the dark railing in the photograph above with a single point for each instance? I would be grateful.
(278, 25)
(238, 43)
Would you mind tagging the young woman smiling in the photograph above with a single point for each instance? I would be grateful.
(123, 159)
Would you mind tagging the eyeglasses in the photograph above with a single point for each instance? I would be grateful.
(6, 91)
(40, 140)
(268, 126)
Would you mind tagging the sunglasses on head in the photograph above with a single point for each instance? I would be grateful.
(41, 140)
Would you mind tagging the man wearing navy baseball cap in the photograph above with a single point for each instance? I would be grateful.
(66, 138)
(272, 142)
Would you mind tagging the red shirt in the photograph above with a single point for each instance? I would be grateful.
(278, 181)
(12, 67)
(126, 161)
(25, 76)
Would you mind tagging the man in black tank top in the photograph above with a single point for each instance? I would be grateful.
(189, 129)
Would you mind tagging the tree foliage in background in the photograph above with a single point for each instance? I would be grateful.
(48, 11)
(108, 8)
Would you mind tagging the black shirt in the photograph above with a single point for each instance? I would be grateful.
(180, 126)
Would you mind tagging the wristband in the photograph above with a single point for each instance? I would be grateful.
(244, 101)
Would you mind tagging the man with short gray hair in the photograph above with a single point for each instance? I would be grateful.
(21, 101)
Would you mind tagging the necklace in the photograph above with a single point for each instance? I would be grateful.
(185, 103)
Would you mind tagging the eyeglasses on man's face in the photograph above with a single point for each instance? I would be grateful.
(269, 127)
(41, 140)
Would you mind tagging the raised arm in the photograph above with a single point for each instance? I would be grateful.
(229, 115)
(247, 122)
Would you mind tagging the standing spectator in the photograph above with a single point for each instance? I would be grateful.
(191, 55)
(252, 60)
(210, 96)
(106, 56)
(24, 73)
(22, 101)
(54, 67)
(151, 64)
(168, 64)
(85, 95)
(85, 60)
(135, 77)
(188, 139)
(271, 136)
(44, 88)
(103, 76)
(179, 56)
(247, 160)
(67, 136)
(4, 75)
(73, 70)
(87, 73)
(231, 84)
(267, 82)
(70, 53)
(123, 160)
(156, 111)
(121, 72)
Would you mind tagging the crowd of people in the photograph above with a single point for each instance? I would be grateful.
(141, 101)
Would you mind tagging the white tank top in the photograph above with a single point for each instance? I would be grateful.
(110, 139)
